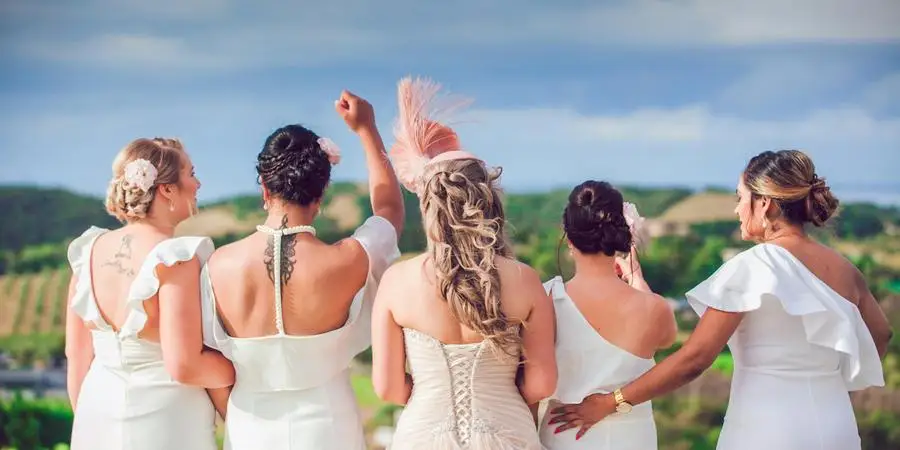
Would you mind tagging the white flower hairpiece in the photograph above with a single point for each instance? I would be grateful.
(331, 149)
(141, 173)
(634, 220)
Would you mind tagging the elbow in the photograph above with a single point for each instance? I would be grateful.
(392, 394)
(180, 368)
(539, 386)
(883, 340)
(696, 362)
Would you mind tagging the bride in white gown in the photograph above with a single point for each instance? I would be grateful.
(802, 325)
(291, 311)
(608, 329)
(133, 326)
(463, 313)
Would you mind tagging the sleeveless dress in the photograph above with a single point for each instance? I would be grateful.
(589, 364)
(294, 392)
(464, 397)
(797, 352)
(128, 400)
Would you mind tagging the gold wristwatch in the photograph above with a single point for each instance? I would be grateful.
(622, 407)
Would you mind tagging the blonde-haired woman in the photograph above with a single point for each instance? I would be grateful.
(464, 313)
(802, 325)
(137, 367)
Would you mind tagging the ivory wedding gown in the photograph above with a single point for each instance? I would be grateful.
(294, 392)
(797, 352)
(464, 397)
(128, 400)
(589, 364)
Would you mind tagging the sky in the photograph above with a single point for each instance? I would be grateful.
(639, 92)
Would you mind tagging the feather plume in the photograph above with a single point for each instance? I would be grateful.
(418, 132)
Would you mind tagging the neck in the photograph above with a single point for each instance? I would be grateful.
(783, 230)
(160, 225)
(284, 216)
(598, 265)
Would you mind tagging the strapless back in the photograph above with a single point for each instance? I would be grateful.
(464, 397)
(294, 392)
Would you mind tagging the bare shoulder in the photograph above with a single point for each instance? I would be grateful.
(232, 257)
(516, 271)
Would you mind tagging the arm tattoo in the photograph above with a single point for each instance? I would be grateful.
(118, 259)
(288, 253)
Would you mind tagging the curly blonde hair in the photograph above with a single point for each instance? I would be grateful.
(125, 201)
(465, 226)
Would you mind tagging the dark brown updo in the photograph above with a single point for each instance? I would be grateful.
(594, 220)
(293, 165)
(789, 178)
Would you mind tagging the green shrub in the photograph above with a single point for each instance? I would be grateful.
(35, 423)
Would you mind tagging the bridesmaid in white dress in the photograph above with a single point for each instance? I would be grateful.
(136, 363)
(291, 311)
(802, 325)
(608, 328)
(463, 313)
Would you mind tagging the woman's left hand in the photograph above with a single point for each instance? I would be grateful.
(584, 415)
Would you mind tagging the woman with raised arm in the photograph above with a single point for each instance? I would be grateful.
(137, 367)
(802, 325)
(292, 311)
(463, 314)
(608, 328)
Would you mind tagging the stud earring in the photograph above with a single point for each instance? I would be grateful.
(171, 206)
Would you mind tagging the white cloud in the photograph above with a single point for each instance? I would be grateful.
(219, 34)
(682, 145)
(537, 147)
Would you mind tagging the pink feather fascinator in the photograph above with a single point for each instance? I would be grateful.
(420, 136)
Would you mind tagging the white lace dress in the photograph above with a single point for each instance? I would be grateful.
(128, 400)
(589, 364)
(294, 392)
(464, 397)
(798, 351)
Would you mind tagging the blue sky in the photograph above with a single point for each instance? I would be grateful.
(677, 92)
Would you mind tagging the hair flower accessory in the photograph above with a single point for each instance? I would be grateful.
(141, 173)
(331, 149)
(420, 138)
(634, 220)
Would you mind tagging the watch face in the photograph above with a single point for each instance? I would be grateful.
(623, 408)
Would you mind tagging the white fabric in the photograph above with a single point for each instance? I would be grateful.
(128, 400)
(589, 364)
(294, 392)
(464, 397)
(797, 352)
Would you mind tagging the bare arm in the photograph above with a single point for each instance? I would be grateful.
(697, 354)
(79, 349)
(219, 398)
(665, 318)
(538, 342)
(389, 376)
(874, 317)
(384, 189)
(180, 333)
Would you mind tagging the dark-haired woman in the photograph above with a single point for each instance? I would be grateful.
(802, 325)
(291, 311)
(608, 328)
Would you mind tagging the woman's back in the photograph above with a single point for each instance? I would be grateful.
(320, 282)
(115, 260)
(290, 311)
(465, 394)
(422, 308)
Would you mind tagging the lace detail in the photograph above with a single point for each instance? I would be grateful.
(461, 364)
